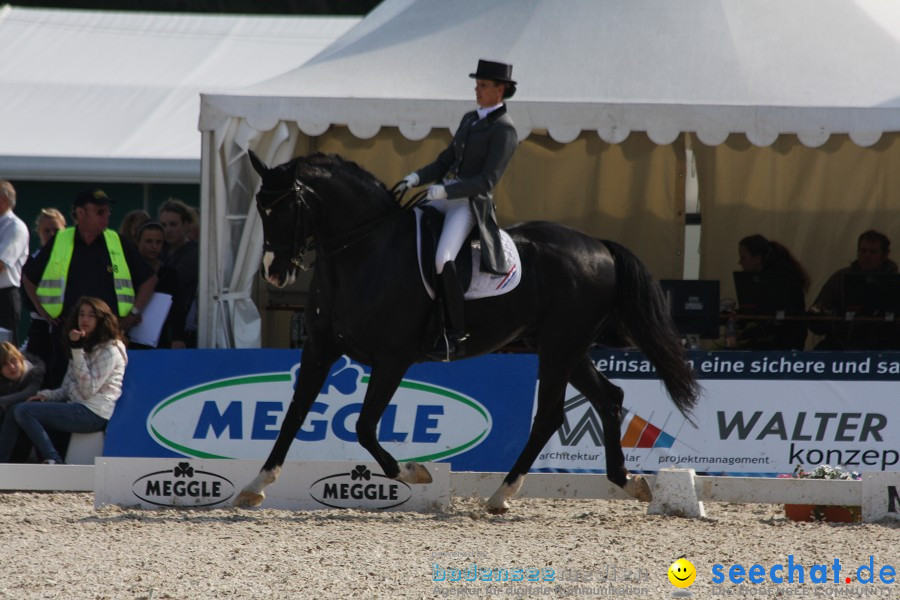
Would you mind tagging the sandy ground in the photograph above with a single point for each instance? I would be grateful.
(59, 546)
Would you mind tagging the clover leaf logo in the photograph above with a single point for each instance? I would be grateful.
(184, 469)
(360, 472)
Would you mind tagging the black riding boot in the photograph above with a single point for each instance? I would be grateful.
(451, 325)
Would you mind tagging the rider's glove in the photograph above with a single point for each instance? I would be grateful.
(412, 180)
(437, 192)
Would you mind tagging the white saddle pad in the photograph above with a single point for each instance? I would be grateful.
(483, 285)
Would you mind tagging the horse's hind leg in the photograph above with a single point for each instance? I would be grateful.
(549, 418)
(606, 398)
(312, 375)
(382, 384)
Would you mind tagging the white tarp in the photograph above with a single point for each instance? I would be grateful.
(115, 96)
(811, 67)
(713, 67)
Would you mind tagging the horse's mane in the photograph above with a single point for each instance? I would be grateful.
(319, 165)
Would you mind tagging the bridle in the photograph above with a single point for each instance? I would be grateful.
(303, 239)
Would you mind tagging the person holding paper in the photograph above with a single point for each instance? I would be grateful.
(150, 238)
(182, 253)
(90, 389)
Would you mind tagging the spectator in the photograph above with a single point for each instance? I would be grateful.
(194, 229)
(150, 244)
(48, 223)
(182, 254)
(760, 255)
(13, 254)
(131, 222)
(873, 249)
(92, 385)
(21, 377)
(87, 260)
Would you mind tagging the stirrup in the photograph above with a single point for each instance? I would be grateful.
(447, 347)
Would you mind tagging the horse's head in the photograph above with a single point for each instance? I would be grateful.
(295, 215)
(285, 220)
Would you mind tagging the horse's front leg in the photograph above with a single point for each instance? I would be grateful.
(313, 372)
(383, 382)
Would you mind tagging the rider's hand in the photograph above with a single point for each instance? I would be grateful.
(410, 181)
(437, 192)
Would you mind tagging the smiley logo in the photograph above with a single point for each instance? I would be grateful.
(682, 573)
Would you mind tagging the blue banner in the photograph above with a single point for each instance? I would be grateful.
(760, 413)
(474, 414)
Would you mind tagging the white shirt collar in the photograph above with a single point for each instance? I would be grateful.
(483, 112)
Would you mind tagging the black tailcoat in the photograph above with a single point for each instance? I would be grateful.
(476, 158)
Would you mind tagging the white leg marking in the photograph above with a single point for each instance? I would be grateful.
(497, 504)
(638, 487)
(253, 494)
(412, 472)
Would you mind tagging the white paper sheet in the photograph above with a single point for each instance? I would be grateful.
(154, 315)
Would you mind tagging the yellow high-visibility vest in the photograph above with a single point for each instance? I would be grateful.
(51, 291)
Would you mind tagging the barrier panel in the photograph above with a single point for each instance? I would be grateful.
(162, 483)
(760, 413)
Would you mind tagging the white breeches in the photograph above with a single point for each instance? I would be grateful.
(458, 222)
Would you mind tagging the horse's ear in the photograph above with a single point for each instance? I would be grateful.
(258, 165)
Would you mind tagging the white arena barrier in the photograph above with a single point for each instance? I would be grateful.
(877, 493)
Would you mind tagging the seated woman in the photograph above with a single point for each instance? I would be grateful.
(21, 377)
(757, 254)
(90, 389)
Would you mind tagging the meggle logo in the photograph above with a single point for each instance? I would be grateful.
(183, 486)
(240, 417)
(360, 488)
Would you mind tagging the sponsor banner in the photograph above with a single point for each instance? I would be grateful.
(211, 483)
(209, 404)
(760, 413)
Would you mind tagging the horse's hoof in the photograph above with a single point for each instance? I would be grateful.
(498, 510)
(412, 472)
(638, 487)
(249, 499)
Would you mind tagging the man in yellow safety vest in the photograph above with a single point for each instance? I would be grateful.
(87, 260)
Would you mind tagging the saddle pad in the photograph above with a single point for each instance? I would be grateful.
(483, 285)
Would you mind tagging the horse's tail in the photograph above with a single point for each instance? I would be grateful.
(643, 315)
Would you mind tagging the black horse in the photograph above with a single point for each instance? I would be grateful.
(367, 301)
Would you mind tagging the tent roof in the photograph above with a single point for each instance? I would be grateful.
(114, 96)
(810, 67)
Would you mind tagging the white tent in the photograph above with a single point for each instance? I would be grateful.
(766, 70)
(115, 96)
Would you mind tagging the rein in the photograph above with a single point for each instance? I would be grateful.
(349, 238)
(300, 245)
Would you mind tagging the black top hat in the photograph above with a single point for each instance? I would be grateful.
(92, 196)
(497, 71)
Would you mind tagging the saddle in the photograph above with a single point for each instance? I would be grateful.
(476, 283)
